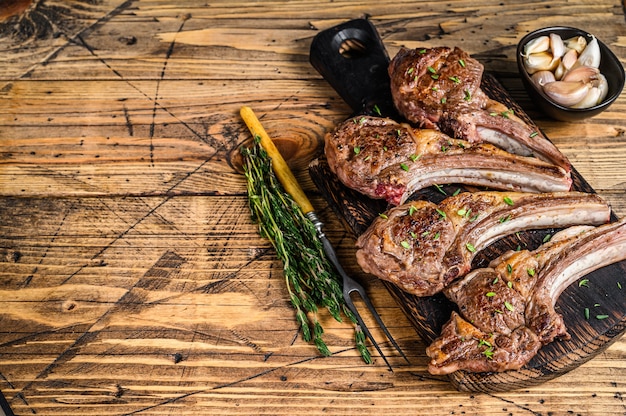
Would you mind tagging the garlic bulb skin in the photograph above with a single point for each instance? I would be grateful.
(590, 56)
(541, 61)
(557, 46)
(577, 43)
(582, 74)
(592, 98)
(566, 93)
(541, 78)
(537, 45)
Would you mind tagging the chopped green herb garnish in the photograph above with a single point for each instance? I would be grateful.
(441, 213)
(508, 201)
(405, 244)
(484, 342)
(470, 247)
(377, 109)
(404, 167)
(462, 63)
(357, 150)
(509, 269)
(440, 189)
(547, 238)
(600, 317)
(531, 272)
(509, 306)
(412, 210)
(586, 313)
(533, 134)
(490, 294)
(583, 283)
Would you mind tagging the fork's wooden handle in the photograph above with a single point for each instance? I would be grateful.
(281, 169)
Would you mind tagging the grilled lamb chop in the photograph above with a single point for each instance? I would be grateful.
(422, 247)
(507, 310)
(440, 88)
(384, 159)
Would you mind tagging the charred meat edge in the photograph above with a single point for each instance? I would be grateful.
(440, 88)
(422, 247)
(387, 160)
(477, 347)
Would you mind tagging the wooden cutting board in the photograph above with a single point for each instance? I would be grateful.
(605, 293)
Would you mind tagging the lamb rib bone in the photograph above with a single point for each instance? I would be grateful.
(422, 247)
(387, 160)
(441, 88)
(505, 300)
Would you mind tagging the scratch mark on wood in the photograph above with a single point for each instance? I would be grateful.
(129, 123)
(131, 299)
(221, 386)
(155, 106)
(45, 253)
(139, 221)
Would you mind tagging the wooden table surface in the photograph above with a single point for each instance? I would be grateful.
(133, 280)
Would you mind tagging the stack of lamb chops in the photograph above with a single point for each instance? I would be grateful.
(455, 134)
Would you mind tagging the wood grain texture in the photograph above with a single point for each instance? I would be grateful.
(132, 280)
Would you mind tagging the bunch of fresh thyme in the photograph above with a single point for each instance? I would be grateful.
(311, 279)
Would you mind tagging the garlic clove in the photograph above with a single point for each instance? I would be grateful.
(582, 74)
(566, 93)
(590, 56)
(539, 62)
(577, 43)
(560, 71)
(601, 84)
(590, 99)
(557, 46)
(541, 78)
(537, 45)
(569, 59)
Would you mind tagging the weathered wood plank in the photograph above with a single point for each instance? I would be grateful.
(132, 279)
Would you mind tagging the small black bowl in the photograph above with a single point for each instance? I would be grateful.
(610, 67)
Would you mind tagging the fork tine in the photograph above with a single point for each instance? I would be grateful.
(350, 285)
(382, 325)
(364, 328)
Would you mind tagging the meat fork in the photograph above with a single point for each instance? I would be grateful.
(286, 178)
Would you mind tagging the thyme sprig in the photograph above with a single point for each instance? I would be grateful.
(311, 280)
